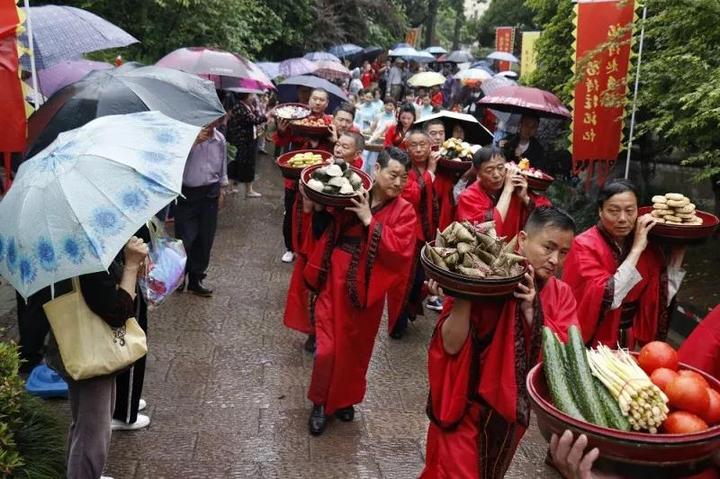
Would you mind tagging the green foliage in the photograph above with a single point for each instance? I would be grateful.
(31, 437)
(503, 13)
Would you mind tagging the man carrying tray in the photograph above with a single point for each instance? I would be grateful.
(481, 352)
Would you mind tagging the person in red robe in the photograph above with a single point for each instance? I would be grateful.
(702, 348)
(396, 134)
(361, 254)
(481, 352)
(420, 193)
(623, 283)
(498, 193)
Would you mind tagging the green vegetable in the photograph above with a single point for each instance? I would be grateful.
(611, 408)
(556, 376)
(581, 379)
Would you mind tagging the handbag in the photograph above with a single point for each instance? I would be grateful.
(89, 347)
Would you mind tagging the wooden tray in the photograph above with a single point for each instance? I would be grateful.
(291, 172)
(306, 109)
(325, 199)
(684, 233)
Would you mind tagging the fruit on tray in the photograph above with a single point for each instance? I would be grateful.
(525, 168)
(335, 179)
(311, 121)
(674, 209)
(458, 150)
(292, 112)
(302, 160)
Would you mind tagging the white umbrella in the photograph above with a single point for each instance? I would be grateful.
(475, 132)
(504, 57)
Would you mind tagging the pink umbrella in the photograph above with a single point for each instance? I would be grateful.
(64, 73)
(522, 99)
(208, 61)
(296, 66)
(330, 70)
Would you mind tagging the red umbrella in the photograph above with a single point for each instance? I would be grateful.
(330, 70)
(208, 61)
(522, 99)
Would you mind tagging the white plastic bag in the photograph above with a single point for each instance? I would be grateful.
(165, 266)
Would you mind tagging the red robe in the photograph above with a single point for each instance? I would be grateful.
(478, 405)
(702, 348)
(476, 205)
(589, 268)
(352, 269)
(394, 138)
(443, 185)
(285, 138)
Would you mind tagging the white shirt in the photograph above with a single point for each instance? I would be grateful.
(627, 276)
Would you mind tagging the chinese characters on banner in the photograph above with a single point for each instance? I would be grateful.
(412, 37)
(528, 55)
(599, 101)
(504, 42)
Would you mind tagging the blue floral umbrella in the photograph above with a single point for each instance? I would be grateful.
(74, 205)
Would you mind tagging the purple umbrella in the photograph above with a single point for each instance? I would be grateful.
(296, 66)
(271, 69)
(316, 56)
(208, 61)
(65, 33)
(62, 74)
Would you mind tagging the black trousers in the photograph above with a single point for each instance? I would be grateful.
(129, 383)
(288, 218)
(243, 168)
(195, 224)
(33, 327)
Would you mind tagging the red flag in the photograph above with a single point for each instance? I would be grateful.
(504, 42)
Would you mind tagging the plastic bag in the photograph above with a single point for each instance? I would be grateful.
(165, 266)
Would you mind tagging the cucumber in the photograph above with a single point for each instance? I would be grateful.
(611, 408)
(581, 379)
(555, 375)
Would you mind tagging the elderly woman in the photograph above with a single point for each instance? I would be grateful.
(242, 132)
(622, 282)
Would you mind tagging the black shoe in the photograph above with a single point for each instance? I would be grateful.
(310, 344)
(197, 287)
(346, 414)
(318, 420)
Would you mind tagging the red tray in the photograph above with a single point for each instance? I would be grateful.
(539, 184)
(659, 455)
(291, 172)
(304, 130)
(454, 166)
(684, 233)
(300, 105)
(325, 199)
(466, 287)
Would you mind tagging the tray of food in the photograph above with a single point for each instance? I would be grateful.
(456, 155)
(334, 184)
(292, 163)
(537, 179)
(310, 126)
(470, 261)
(292, 111)
(646, 412)
(678, 219)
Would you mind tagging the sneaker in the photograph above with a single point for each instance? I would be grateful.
(141, 423)
(253, 194)
(434, 304)
(142, 405)
(288, 257)
(105, 477)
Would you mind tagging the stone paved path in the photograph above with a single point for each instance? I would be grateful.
(226, 381)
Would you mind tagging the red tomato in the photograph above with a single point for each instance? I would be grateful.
(693, 374)
(688, 394)
(712, 415)
(657, 354)
(662, 376)
(681, 422)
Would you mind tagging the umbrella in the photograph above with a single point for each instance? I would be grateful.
(316, 56)
(208, 61)
(330, 70)
(409, 53)
(296, 66)
(65, 33)
(503, 57)
(345, 50)
(475, 133)
(496, 82)
(271, 69)
(287, 90)
(64, 73)
(484, 64)
(522, 99)
(459, 56)
(401, 45)
(73, 206)
(127, 89)
(426, 80)
(509, 74)
(371, 53)
(473, 74)
(436, 50)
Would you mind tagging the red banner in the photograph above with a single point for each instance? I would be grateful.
(12, 121)
(604, 28)
(504, 42)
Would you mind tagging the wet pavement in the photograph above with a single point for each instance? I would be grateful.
(226, 381)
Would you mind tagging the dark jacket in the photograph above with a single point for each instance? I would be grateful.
(535, 153)
(240, 125)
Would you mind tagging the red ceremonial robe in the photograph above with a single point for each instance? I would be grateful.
(702, 348)
(285, 138)
(476, 205)
(351, 269)
(478, 404)
(443, 185)
(589, 268)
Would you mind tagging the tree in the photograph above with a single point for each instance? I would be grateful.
(433, 6)
(511, 13)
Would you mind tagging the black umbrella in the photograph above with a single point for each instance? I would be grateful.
(371, 53)
(130, 88)
(288, 90)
